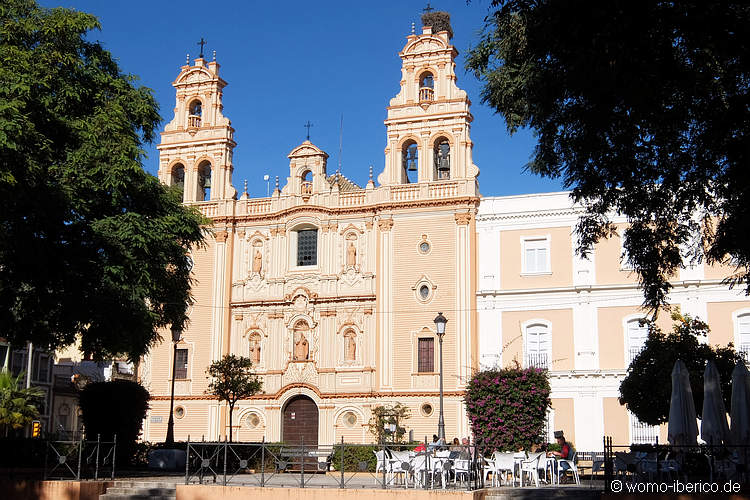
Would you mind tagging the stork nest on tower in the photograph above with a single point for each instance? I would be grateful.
(439, 20)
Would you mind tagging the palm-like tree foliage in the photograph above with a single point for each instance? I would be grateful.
(18, 404)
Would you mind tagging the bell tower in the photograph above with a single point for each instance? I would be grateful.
(196, 146)
(429, 120)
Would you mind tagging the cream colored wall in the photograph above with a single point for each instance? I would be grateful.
(565, 417)
(196, 336)
(612, 334)
(616, 422)
(561, 258)
(721, 322)
(411, 315)
(609, 268)
(563, 355)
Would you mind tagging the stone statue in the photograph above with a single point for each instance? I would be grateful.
(301, 347)
(255, 350)
(257, 261)
(351, 255)
(351, 347)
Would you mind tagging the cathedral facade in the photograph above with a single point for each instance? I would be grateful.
(330, 288)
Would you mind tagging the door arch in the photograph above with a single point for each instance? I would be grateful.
(299, 421)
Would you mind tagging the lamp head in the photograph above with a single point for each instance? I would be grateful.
(440, 322)
(176, 333)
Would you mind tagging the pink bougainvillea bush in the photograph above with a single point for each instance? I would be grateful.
(507, 407)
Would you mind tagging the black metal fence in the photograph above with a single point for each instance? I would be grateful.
(80, 459)
(341, 465)
(641, 463)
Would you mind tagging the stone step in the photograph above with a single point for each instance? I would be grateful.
(142, 491)
(134, 483)
(125, 496)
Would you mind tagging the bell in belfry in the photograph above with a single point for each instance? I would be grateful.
(410, 158)
(443, 158)
(206, 181)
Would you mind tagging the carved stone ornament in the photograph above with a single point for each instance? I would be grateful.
(221, 236)
(462, 218)
(385, 224)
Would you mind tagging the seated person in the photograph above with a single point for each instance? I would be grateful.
(566, 450)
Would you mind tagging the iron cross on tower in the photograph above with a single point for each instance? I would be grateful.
(201, 43)
(428, 8)
(307, 126)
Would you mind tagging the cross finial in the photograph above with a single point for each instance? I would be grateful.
(307, 126)
(201, 43)
(428, 8)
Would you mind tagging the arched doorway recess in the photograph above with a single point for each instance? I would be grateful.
(300, 421)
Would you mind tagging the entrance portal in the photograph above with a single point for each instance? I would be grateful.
(300, 422)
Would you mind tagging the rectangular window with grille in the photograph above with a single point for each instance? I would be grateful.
(307, 247)
(181, 364)
(426, 356)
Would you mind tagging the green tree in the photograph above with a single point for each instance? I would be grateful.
(117, 407)
(92, 244)
(642, 108)
(647, 388)
(232, 380)
(386, 423)
(18, 404)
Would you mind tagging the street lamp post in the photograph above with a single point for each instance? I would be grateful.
(176, 334)
(440, 322)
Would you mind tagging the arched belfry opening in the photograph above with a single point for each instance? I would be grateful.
(299, 421)
(204, 181)
(195, 113)
(410, 161)
(178, 176)
(426, 87)
(442, 159)
(306, 188)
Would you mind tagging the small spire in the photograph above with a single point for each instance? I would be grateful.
(187, 59)
(214, 56)
(371, 165)
(413, 29)
(245, 187)
(277, 182)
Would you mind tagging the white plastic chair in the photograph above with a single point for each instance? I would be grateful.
(399, 465)
(441, 466)
(502, 464)
(572, 467)
(531, 467)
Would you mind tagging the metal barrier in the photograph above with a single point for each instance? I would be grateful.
(341, 465)
(80, 459)
(649, 462)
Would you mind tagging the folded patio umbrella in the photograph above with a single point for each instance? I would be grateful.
(714, 428)
(739, 432)
(682, 428)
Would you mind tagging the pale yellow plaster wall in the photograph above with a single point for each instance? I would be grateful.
(607, 263)
(717, 271)
(612, 334)
(411, 314)
(194, 423)
(616, 422)
(565, 417)
(561, 320)
(561, 259)
(720, 321)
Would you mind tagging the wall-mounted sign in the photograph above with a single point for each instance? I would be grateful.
(155, 420)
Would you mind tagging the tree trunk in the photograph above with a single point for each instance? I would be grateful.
(231, 410)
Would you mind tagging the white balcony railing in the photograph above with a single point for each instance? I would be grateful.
(537, 360)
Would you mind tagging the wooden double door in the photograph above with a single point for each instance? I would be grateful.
(300, 422)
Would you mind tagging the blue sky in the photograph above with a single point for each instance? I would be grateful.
(292, 61)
